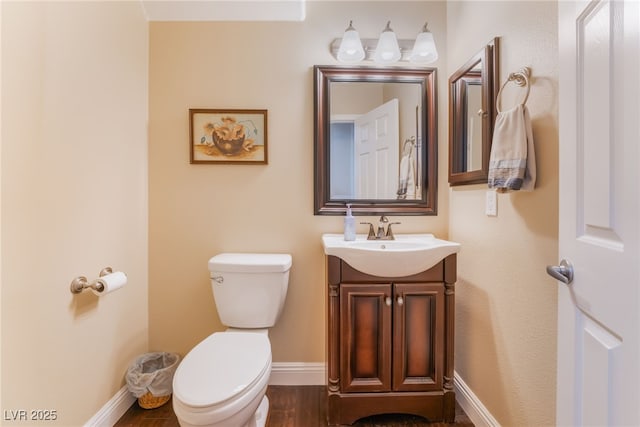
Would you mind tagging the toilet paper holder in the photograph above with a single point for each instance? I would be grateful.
(81, 283)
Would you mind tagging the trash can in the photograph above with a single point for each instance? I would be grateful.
(150, 378)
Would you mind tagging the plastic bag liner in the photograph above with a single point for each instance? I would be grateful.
(152, 372)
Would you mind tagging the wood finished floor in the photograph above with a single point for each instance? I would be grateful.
(290, 406)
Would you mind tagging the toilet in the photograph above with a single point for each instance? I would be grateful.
(222, 381)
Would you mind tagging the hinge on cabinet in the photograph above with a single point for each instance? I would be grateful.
(334, 290)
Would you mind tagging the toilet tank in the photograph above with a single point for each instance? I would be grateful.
(249, 289)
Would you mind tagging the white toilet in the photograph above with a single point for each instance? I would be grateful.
(222, 381)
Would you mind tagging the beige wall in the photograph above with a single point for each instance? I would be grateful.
(506, 305)
(1, 130)
(74, 200)
(197, 211)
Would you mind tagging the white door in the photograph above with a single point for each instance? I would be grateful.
(377, 152)
(598, 312)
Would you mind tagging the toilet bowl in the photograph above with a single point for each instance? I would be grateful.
(222, 381)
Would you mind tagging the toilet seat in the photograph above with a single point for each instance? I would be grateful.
(221, 374)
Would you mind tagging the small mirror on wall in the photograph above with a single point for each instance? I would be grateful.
(472, 95)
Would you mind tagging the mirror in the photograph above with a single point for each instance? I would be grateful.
(472, 93)
(375, 140)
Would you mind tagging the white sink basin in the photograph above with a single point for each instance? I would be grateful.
(406, 255)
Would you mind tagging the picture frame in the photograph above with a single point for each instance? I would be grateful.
(228, 136)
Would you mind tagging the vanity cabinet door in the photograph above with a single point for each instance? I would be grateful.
(365, 337)
(418, 336)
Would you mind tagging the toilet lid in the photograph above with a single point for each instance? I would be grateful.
(221, 367)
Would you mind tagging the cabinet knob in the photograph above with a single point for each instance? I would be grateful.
(387, 300)
(400, 301)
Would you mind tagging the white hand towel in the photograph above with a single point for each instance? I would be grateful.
(512, 165)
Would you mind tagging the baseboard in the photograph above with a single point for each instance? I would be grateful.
(298, 373)
(113, 410)
(471, 405)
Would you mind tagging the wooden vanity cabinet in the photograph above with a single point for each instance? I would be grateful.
(390, 343)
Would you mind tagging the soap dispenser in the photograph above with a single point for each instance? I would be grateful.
(349, 225)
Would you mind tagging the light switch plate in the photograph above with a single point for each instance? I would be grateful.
(491, 203)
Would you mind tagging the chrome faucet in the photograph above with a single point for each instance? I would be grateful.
(381, 234)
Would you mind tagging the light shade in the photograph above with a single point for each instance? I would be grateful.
(387, 50)
(350, 47)
(424, 49)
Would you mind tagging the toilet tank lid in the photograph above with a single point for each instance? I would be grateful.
(250, 263)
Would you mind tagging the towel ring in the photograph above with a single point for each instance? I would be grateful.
(520, 78)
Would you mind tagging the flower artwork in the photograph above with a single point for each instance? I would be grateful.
(228, 136)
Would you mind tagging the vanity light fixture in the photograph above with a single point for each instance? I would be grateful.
(385, 50)
(424, 49)
(350, 49)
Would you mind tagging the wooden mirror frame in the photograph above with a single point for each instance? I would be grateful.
(488, 76)
(426, 78)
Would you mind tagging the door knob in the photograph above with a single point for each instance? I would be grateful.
(562, 272)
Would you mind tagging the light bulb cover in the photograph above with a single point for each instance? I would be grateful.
(350, 49)
(424, 48)
(387, 51)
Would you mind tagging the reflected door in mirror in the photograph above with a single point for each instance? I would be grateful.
(376, 153)
(468, 123)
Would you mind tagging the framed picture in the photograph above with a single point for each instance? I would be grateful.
(228, 136)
